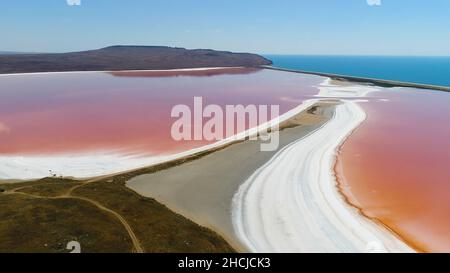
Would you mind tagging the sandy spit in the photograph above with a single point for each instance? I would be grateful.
(203, 190)
(291, 204)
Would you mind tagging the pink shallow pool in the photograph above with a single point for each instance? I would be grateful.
(127, 111)
(396, 165)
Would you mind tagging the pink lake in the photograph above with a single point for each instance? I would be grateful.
(67, 113)
(395, 166)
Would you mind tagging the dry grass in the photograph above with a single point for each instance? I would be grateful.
(44, 215)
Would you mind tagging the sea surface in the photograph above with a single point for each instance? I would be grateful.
(424, 70)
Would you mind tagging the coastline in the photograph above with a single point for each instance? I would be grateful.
(291, 204)
(361, 80)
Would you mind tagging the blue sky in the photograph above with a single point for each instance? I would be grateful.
(343, 27)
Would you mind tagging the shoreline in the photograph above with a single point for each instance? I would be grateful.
(346, 195)
(362, 80)
(327, 223)
(206, 197)
(113, 71)
(351, 79)
(140, 162)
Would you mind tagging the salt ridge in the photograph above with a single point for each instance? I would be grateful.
(292, 203)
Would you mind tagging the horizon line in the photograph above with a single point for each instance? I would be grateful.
(237, 51)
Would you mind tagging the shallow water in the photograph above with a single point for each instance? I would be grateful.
(396, 165)
(127, 112)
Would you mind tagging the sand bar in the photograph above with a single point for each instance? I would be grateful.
(203, 189)
(291, 204)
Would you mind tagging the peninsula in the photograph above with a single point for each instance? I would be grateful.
(121, 57)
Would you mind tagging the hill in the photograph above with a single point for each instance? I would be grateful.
(127, 58)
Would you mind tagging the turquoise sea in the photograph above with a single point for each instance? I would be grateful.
(425, 70)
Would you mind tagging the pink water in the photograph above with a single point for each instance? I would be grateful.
(127, 111)
(397, 165)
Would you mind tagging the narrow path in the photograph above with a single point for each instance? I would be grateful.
(69, 195)
(136, 243)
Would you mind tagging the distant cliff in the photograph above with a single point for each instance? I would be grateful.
(127, 58)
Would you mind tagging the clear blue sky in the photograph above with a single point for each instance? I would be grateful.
(397, 27)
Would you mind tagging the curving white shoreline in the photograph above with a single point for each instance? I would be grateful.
(291, 204)
(86, 165)
(346, 90)
(111, 71)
